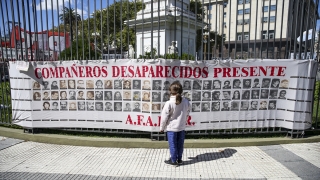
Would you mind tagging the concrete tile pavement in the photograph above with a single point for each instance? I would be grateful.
(33, 160)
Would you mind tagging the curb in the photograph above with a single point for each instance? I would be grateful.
(147, 143)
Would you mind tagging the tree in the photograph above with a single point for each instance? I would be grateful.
(83, 46)
(210, 38)
(113, 27)
(196, 8)
(70, 17)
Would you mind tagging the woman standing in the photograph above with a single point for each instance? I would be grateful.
(173, 120)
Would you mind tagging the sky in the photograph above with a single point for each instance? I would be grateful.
(49, 10)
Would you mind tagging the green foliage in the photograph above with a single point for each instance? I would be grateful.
(5, 99)
(82, 46)
(186, 56)
(69, 17)
(196, 8)
(113, 27)
(213, 38)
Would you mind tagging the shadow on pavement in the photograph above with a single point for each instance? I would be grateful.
(226, 153)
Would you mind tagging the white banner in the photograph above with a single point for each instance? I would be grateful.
(129, 94)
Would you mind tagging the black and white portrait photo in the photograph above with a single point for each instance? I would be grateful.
(166, 97)
(136, 84)
(46, 106)
(166, 85)
(195, 107)
(145, 96)
(63, 84)
(108, 106)
(263, 105)
(156, 96)
(264, 94)
(89, 84)
(117, 106)
(186, 85)
(196, 96)
(54, 85)
(156, 85)
(187, 95)
(207, 85)
(99, 84)
(127, 107)
(90, 106)
(256, 83)
(273, 94)
(244, 105)
(245, 94)
(81, 106)
(117, 95)
(145, 107)
(253, 105)
(236, 95)
(127, 84)
(98, 95)
(235, 106)
(225, 106)
(196, 84)
(205, 107)
(46, 95)
(45, 85)
(80, 84)
(216, 95)
(72, 95)
(255, 94)
(55, 106)
(71, 84)
(282, 94)
(155, 107)
(226, 85)
(108, 95)
(63, 95)
(226, 95)
(136, 96)
(236, 84)
(215, 106)
(146, 85)
(90, 95)
(117, 84)
(127, 95)
(247, 83)
(216, 84)
(54, 95)
(63, 105)
(275, 83)
(72, 106)
(206, 96)
(136, 107)
(272, 105)
(265, 83)
(108, 84)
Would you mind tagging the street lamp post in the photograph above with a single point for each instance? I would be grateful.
(205, 36)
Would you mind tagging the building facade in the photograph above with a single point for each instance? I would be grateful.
(260, 28)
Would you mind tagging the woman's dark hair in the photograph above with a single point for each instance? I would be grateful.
(176, 89)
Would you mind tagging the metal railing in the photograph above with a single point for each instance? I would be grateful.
(204, 29)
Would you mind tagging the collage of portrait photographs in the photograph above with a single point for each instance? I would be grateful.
(135, 95)
(127, 95)
(237, 94)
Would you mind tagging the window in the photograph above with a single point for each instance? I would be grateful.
(210, 16)
(265, 8)
(246, 21)
(246, 36)
(272, 18)
(264, 19)
(224, 14)
(225, 4)
(240, 22)
(247, 11)
(240, 12)
(240, 1)
(273, 7)
(266, 34)
(247, 1)
(224, 24)
(271, 34)
(239, 36)
(210, 7)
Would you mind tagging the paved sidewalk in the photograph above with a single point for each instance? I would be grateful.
(32, 160)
